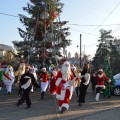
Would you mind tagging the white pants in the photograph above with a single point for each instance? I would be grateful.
(44, 86)
(8, 84)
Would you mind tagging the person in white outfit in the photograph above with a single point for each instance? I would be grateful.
(9, 81)
(33, 71)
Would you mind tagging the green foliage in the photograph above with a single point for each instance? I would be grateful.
(44, 32)
(106, 48)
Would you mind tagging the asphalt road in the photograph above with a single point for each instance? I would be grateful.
(105, 109)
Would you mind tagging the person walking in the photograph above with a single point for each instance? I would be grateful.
(26, 82)
(52, 86)
(93, 80)
(100, 77)
(64, 81)
(9, 82)
(84, 84)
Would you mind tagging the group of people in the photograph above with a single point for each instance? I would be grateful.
(60, 82)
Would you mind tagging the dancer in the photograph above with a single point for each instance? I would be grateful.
(84, 84)
(26, 82)
(93, 80)
(64, 82)
(33, 70)
(18, 74)
(8, 82)
(53, 76)
(44, 82)
(3, 75)
(100, 83)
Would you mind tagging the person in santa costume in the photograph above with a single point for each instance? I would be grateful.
(44, 82)
(64, 81)
(8, 81)
(53, 75)
(100, 77)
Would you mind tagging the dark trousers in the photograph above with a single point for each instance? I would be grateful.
(25, 97)
(93, 87)
(82, 93)
(99, 89)
(77, 91)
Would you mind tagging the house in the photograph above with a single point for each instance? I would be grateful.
(5, 48)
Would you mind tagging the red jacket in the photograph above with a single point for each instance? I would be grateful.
(44, 77)
(100, 80)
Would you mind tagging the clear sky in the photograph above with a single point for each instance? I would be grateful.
(84, 14)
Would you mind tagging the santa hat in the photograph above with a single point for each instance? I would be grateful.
(100, 70)
(66, 63)
(44, 69)
(73, 68)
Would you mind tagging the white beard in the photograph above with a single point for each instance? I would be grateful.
(100, 76)
(65, 72)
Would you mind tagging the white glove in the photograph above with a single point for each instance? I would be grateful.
(109, 81)
(65, 85)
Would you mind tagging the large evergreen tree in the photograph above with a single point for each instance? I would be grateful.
(106, 49)
(44, 33)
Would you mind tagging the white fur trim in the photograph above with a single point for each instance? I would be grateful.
(54, 73)
(71, 91)
(60, 108)
(109, 80)
(27, 84)
(65, 105)
(58, 81)
(100, 76)
(61, 96)
(100, 86)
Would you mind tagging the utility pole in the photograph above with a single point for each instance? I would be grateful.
(80, 50)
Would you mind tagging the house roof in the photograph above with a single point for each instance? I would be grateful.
(6, 47)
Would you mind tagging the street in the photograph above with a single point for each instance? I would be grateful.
(47, 109)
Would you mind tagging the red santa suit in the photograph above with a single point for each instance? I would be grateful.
(44, 82)
(100, 83)
(53, 87)
(65, 89)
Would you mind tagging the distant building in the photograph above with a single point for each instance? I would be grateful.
(69, 55)
(117, 42)
(4, 49)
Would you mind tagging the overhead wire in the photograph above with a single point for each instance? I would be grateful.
(8, 14)
(92, 25)
(107, 17)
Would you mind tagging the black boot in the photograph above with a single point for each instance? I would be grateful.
(63, 110)
(42, 95)
(79, 104)
(17, 104)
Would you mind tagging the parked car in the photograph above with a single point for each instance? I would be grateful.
(116, 87)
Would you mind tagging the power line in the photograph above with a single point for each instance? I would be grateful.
(92, 25)
(9, 15)
(66, 24)
(107, 16)
(83, 32)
